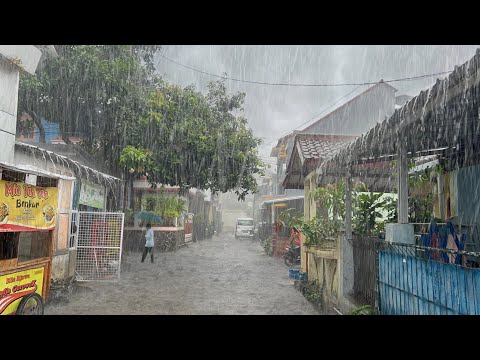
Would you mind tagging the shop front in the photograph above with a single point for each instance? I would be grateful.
(27, 224)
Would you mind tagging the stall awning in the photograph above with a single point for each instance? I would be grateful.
(29, 169)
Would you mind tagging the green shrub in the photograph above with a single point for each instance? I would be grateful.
(267, 246)
(313, 292)
(364, 310)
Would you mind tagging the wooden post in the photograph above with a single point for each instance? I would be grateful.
(441, 201)
(346, 250)
(402, 167)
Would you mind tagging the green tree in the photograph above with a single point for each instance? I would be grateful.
(130, 118)
(198, 141)
(92, 91)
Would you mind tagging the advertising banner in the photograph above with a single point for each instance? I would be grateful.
(25, 207)
(92, 195)
(13, 287)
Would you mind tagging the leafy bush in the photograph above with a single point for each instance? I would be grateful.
(313, 292)
(168, 207)
(364, 310)
(267, 246)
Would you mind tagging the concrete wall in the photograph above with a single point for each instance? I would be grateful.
(323, 266)
(12, 59)
(63, 266)
(60, 267)
(25, 57)
(9, 78)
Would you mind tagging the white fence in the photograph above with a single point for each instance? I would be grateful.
(99, 238)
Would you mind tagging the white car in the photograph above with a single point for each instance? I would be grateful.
(244, 228)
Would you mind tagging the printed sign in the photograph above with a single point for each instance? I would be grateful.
(25, 207)
(92, 195)
(13, 287)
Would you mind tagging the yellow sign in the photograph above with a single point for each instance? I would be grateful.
(14, 286)
(25, 207)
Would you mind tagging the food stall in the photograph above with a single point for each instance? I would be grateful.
(27, 225)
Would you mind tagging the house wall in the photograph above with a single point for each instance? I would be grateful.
(360, 115)
(326, 266)
(309, 212)
(61, 262)
(278, 189)
(25, 57)
(355, 118)
(9, 78)
(467, 190)
(323, 266)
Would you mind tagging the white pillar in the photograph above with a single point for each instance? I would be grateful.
(402, 167)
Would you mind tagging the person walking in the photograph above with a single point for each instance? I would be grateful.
(149, 243)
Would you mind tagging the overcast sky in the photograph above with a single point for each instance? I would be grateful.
(273, 111)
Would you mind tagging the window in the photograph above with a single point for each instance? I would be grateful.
(73, 230)
(33, 245)
(46, 182)
(245, 222)
(8, 245)
(13, 176)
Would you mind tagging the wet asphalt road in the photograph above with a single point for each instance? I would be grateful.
(218, 276)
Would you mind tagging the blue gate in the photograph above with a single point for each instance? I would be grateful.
(411, 284)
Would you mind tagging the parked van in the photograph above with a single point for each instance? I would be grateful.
(244, 228)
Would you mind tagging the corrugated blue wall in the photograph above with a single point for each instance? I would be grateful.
(414, 286)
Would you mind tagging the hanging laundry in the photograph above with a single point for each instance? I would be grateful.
(460, 242)
(451, 243)
(434, 233)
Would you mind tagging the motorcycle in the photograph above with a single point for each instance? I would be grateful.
(292, 256)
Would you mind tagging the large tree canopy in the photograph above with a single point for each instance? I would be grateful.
(196, 140)
(91, 91)
(127, 116)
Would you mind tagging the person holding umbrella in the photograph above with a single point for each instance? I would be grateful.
(149, 243)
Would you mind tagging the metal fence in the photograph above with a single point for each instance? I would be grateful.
(365, 269)
(99, 245)
(417, 280)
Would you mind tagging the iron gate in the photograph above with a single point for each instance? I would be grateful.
(99, 238)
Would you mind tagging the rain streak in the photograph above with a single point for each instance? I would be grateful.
(239, 179)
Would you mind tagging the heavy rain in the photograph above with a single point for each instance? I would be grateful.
(239, 179)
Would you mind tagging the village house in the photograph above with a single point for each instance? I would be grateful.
(433, 271)
(355, 117)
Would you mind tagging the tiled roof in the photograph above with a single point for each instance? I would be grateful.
(318, 146)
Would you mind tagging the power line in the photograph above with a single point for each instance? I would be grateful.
(305, 85)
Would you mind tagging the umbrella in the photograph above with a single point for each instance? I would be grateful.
(148, 216)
